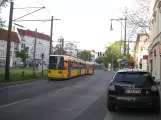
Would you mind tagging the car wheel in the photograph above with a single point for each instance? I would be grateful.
(156, 110)
(110, 107)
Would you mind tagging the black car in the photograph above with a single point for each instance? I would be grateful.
(133, 89)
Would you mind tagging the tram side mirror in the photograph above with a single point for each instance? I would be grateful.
(158, 82)
(153, 78)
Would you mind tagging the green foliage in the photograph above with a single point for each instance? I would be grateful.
(3, 3)
(85, 55)
(57, 50)
(16, 75)
(129, 56)
(23, 55)
(100, 60)
(113, 53)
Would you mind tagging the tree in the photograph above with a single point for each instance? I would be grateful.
(101, 59)
(85, 55)
(57, 50)
(138, 17)
(23, 54)
(3, 3)
(113, 53)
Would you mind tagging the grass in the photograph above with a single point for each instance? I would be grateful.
(16, 74)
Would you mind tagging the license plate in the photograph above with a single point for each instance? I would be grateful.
(133, 91)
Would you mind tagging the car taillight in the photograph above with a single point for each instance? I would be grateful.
(111, 87)
(49, 71)
(154, 88)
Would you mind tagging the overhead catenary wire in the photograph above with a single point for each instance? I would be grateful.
(32, 15)
(26, 11)
(45, 7)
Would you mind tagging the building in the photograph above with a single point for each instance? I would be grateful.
(155, 39)
(71, 49)
(141, 51)
(27, 39)
(15, 46)
(92, 55)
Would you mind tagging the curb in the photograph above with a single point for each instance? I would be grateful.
(7, 83)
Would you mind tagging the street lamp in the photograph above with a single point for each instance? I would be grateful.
(111, 26)
(121, 31)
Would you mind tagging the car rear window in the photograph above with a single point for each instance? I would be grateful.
(133, 77)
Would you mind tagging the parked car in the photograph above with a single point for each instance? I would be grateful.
(133, 89)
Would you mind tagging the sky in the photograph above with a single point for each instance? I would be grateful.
(84, 21)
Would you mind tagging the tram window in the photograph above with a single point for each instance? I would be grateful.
(56, 62)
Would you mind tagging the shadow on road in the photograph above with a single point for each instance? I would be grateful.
(132, 114)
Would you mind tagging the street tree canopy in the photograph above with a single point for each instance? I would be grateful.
(113, 53)
(23, 54)
(57, 50)
(138, 17)
(100, 60)
(3, 3)
(84, 55)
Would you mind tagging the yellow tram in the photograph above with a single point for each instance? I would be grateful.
(63, 67)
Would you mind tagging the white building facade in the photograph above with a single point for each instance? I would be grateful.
(155, 39)
(15, 46)
(71, 49)
(27, 38)
(141, 51)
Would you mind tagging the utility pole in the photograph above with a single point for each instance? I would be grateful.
(121, 30)
(42, 56)
(62, 46)
(125, 38)
(34, 52)
(89, 56)
(7, 70)
(77, 53)
(121, 40)
(61, 42)
(112, 62)
(128, 47)
(51, 34)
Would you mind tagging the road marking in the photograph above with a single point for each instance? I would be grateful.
(22, 84)
(78, 82)
(60, 89)
(14, 103)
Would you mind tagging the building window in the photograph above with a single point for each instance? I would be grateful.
(22, 38)
(16, 47)
(0, 52)
(3, 54)
(1, 43)
(22, 45)
(10, 53)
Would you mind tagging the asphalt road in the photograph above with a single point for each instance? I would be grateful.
(78, 98)
(81, 98)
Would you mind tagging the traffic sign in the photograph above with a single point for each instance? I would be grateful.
(124, 57)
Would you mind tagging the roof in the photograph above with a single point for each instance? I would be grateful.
(32, 34)
(14, 36)
(70, 57)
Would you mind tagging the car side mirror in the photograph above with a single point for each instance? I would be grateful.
(157, 82)
(153, 78)
(113, 77)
